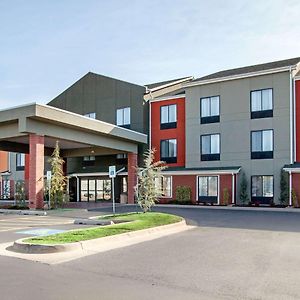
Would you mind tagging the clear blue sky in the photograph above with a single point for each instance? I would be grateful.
(45, 46)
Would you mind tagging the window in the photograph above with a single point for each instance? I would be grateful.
(208, 189)
(210, 110)
(123, 117)
(121, 156)
(168, 151)
(210, 147)
(20, 161)
(91, 115)
(262, 144)
(168, 116)
(262, 104)
(89, 161)
(164, 184)
(262, 189)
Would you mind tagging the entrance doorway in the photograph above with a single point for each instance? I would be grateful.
(95, 189)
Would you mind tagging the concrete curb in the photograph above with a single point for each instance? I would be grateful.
(23, 212)
(104, 242)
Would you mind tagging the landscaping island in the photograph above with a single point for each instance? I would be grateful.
(132, 222)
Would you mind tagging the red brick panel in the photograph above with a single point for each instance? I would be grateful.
(296, 184)
(225, 182)
(297, 88)
(175, 133)
(132, 178)
(36, 171)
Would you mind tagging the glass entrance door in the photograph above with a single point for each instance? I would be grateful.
(95, 189)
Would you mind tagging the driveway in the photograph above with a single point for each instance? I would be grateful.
(229, 255)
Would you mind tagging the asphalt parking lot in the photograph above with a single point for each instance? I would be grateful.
(230, 254)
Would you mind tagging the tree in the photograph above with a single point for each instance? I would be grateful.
(284, 188)
(244, 189)
(58, 180)
(147, 189)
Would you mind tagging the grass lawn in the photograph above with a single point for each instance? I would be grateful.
(139, 221)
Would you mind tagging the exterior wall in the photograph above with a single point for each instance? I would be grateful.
(4, 166)
(225, 181)
(104, 95)
(297, 95)
(175, 133)
(236, 124)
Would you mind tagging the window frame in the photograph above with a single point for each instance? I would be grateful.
(91, 115)
(168, 159)
(210, 156)
(262, 199)
(123, 109)
(262, 154)
(208, 199)
(89, 161)
(168, 125)
(20, 167)
(210, 118)
(161, 185)
(263, 113)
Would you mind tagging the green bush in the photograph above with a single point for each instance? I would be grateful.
(183, 194)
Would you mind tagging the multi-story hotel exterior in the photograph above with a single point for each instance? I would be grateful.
(209, 131)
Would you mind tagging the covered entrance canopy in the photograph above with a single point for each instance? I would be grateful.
(35, 128)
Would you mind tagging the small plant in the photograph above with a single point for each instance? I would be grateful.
(226, 196)
(58, 180)
(147, 190)
(244, 190)
(295, 201)
(284, 188)
(183, 194)
(20, 193)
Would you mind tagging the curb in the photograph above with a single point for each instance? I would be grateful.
(23, 247)
(23, 212)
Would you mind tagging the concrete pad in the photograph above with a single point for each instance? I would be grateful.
(85, 248)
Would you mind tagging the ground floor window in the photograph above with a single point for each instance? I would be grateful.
(164, 184)
(208, 189)
(95, 189)
(262, 189)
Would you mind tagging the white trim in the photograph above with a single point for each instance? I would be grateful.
(294, 116)
(239, 76)
(291, 119)
(95, 174)
(150, 124)
(160, 87)
(219, 189)
(167, 98)
(292, 170)
(200, 172)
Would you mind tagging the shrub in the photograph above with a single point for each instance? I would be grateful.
(226, 196)
(284, 188)
(183, 194)
(244, 190)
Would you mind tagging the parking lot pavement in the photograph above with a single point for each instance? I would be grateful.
(12, 226)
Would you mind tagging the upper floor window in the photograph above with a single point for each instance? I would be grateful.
(20, 161)
(168, 116)
(262, 144)
(164, 185)
(262, 103)
(262, 189)
(91, 115)
(168, 150)
(210, 147)
(89, 161)
(123, 117)
(210, 109)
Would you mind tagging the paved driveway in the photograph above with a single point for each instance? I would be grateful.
(230, 255)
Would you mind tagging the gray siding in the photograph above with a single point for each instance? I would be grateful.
(236, 124)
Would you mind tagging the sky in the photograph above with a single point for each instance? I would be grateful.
(47, 45)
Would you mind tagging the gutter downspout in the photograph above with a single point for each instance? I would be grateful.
(291, 187)
(233, 189)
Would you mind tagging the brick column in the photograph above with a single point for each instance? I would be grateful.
(132, 178)
(36, 171)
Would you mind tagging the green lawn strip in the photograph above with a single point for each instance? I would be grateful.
(139, 221)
